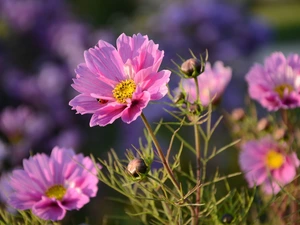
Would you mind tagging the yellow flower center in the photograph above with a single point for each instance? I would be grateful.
(56, 191)
(280, 89)
(274, 160)
(124, 90)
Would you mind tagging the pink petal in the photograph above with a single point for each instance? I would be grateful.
(49, 209)
(154, 83)
(142, 52)
(84, 104)
(105, 61)
(107, 114)
(90, 83)
(135, 107)
(74, 200)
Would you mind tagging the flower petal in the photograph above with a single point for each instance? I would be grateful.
(49, 209)
(105, 61)
(107, 114)
(135, 107)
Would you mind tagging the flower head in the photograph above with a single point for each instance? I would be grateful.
(212, 83)
(119, 82)
(265, 163)
(276, 84)
(50, 186)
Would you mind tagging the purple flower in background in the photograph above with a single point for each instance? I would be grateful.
(50, 186)
(224, 29)
(212, 84)
(119, 82)
(27, 14)
(68, 40)
(266, 163)
(276, 84)
(22, 123)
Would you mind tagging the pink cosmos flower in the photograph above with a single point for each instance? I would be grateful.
(50, 186)
(276, 84)
(266, 163)
(119, 82)
(212, 84)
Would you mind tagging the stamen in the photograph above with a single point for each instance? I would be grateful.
(56, 191)
(274, 159)
(281, 88)
(124, 90)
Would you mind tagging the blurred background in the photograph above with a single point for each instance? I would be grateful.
(42, 42)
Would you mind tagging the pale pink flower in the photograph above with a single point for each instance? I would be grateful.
(212, 84)
(276, 84)
(50, 186)
(119, 82)
(266, 163)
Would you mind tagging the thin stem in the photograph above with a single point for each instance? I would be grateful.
(161, 155)
(198, 164)
(294, 204)
(166, 164)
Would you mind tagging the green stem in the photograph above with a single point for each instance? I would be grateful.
(161, 155)
(198, 164)
(166, 164)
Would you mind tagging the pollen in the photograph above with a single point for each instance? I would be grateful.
(274, 159)
(281, 88)
(124, 90)
(56, 191)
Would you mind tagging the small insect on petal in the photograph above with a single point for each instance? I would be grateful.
(102, 101)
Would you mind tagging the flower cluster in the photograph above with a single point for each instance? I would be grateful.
(120, 82)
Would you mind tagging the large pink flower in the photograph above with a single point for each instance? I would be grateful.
(211, 84)
(266, 163)
(50, 186)
(119, 82)
(276, 84)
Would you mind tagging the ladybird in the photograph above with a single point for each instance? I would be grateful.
(102, 101)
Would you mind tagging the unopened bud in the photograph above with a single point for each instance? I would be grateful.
(179, 98)
(191, 67)
(227, 218)
(238, 114)
(195, 109)
(136, 167)
(279, 133)
(262, 124)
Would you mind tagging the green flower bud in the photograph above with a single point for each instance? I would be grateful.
(136, 167)
(227, 218)
(191, 67)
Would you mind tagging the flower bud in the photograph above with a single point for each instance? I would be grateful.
(262, 124)
(179, 98)
(238, 114)
(279, 133)
(227, 218)
(191, 67)
(136, 167)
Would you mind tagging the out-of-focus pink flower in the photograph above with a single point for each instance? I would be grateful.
(276, 84)
(211, 84)
(50, 186)
(119, 82)
(266, 163)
